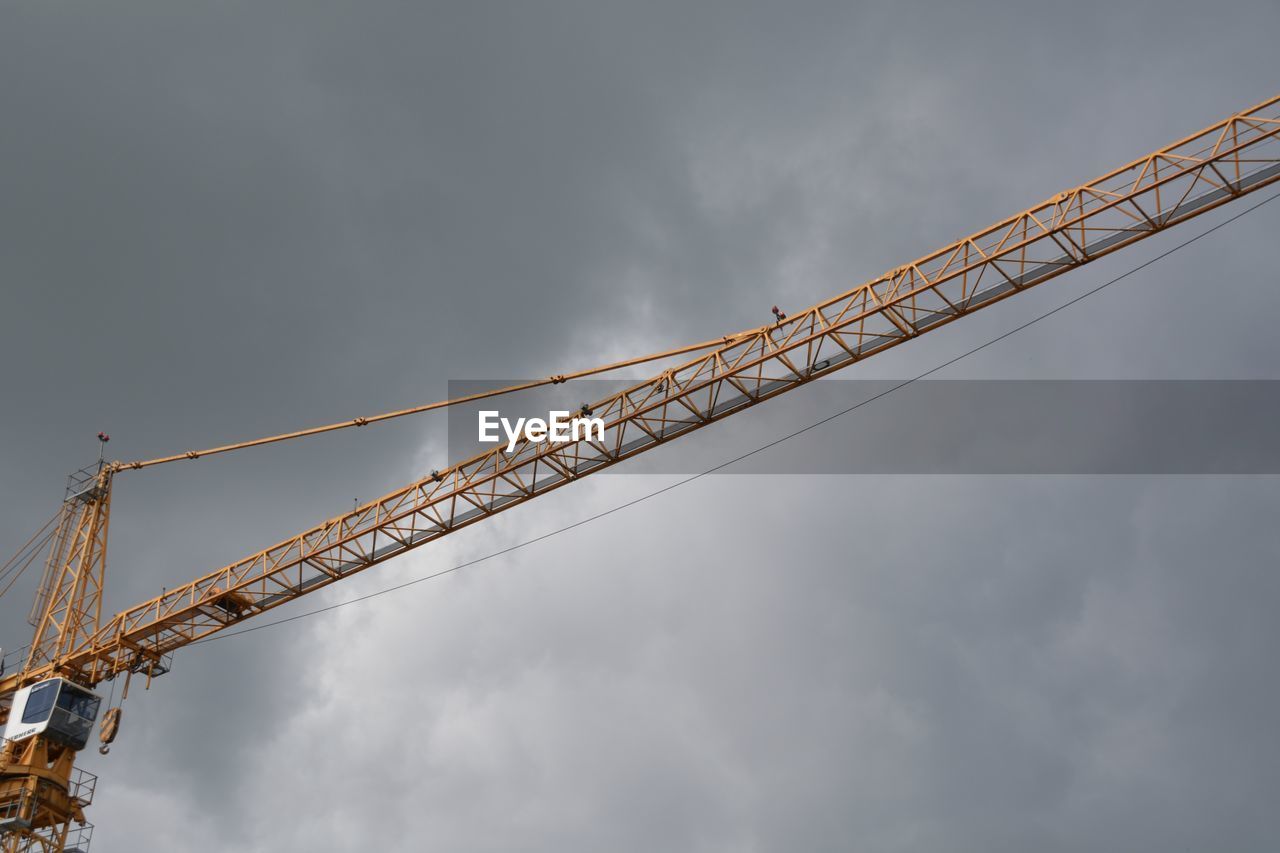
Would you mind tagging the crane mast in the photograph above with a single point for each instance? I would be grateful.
(42, 795)
(69, 609)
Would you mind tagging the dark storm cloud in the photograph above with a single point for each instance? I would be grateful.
(225, 220)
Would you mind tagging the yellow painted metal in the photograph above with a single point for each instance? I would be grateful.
(38, 800)
(1228, 159)
(72, 611)
(428, 407)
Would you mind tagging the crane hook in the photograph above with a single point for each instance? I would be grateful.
(110, 728)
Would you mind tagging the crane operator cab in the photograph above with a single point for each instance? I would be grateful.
(57, 708)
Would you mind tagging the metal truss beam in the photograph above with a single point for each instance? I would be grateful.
(1229, 159)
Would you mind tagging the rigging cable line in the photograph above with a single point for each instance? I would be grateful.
(25, 556)
(760, 449)
(554, 379)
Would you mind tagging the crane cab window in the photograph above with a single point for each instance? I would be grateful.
(40, 702)
(78, 702)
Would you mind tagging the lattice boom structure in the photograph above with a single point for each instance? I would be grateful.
(1229, 159)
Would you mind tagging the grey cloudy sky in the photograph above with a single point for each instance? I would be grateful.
(220, 220)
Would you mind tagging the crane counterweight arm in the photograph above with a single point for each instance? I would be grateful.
(1233, 157)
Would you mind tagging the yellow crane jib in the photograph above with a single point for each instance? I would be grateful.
(48, 706)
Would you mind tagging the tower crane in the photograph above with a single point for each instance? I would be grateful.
(49, 705)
